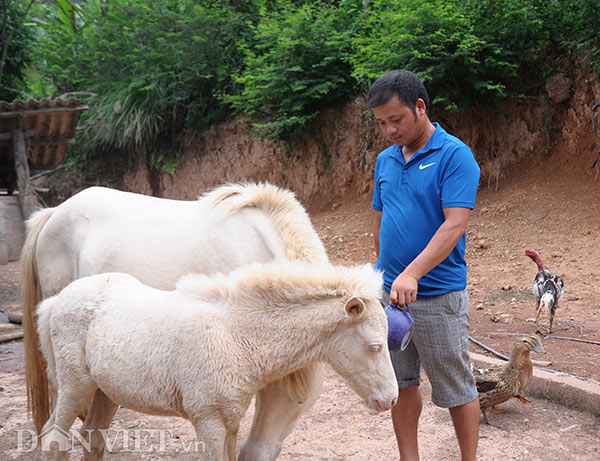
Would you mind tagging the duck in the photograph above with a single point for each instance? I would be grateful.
(499, 383)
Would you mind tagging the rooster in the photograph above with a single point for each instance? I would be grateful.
(548, 289)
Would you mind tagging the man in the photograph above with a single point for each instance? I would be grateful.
(425, 188)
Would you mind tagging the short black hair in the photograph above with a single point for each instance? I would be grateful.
(402, 83)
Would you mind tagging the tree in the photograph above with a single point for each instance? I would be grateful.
(15, 55)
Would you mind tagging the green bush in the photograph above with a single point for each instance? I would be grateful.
(468, 52)
(297, 64)
(153, 68)
(581, 25)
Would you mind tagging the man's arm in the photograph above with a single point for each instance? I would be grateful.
(404, 288)
(376, 227)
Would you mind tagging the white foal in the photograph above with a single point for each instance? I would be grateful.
(202, 351)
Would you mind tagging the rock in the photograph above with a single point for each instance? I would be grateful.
(501, 318)
(15, 317)
(558, 88)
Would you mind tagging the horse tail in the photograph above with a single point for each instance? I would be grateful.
(289, 217)
(38, 397)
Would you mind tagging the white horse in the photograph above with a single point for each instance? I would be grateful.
(232, 334)
(157, 241)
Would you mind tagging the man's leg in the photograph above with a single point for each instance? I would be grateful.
(444, 350)
(406, 412)
(405, 417)
(466, 424)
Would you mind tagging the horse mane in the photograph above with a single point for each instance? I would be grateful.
(289, 217)
(283, 283)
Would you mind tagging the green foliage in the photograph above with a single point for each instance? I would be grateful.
(15, 40)
(297, 64)
(467, 52)
(152, 67)
(150, 70)
(582, 27)
(161, 162)
(435, 40)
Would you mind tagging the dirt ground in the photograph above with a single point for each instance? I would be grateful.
(558, 216)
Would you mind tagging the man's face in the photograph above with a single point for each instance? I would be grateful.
(398, 122)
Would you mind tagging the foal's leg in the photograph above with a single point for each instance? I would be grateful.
(231, 444)
(211, 434)
(50, 452)
(71, 400)
(99, 417)
(276, 414)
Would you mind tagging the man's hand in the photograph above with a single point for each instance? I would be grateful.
(404, 290)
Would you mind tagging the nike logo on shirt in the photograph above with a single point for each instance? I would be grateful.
(422, 167)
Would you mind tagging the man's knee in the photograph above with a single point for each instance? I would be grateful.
(469, 406)
(408, 392)
(409, 402)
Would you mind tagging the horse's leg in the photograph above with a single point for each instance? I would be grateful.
(276, 414)
(48, 424)
(211, 434)
(55, 434)
(47, 436)
(231, 444)
(53, 392)
(99, 416)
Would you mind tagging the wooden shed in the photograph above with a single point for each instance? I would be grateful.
(33, 136)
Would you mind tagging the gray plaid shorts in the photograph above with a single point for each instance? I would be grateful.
(440, 342)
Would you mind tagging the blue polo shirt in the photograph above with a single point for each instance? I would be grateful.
(412, 197)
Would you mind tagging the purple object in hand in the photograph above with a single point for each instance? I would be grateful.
(400, 326)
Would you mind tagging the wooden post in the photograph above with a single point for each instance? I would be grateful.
(27, 199)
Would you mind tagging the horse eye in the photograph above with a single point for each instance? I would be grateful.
(375, 347)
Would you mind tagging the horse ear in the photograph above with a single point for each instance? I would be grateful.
(354, 306)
